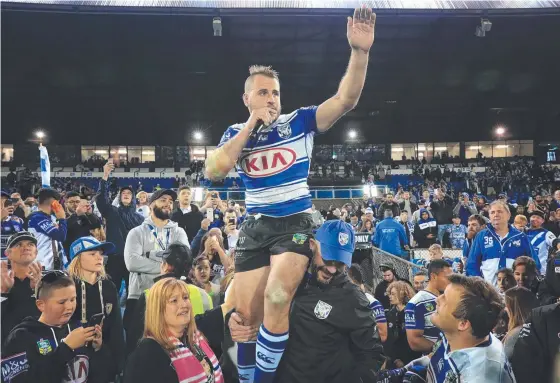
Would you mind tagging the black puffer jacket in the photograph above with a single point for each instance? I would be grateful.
(120, 220)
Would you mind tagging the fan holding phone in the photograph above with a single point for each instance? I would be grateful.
(97, 298)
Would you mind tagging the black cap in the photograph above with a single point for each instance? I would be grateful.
(92, 221)
(126, 188)
(538, 213)
(422, 201)
(387, 266)
(5, 194)
(20, 236)
(160, 193)
(179, 256)
(456, 216)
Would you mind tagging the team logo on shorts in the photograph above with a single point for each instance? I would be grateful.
(322, 310)
(299, 239)
(44, 346)
(285, 131)
(343, 239)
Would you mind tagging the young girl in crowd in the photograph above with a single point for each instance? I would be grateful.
(96, 294)
(201, 270)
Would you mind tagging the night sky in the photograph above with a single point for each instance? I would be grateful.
(154, 80)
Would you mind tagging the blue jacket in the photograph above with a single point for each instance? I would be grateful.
(488, 254)
(390, 236)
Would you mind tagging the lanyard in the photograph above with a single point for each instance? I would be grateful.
(160, 243)
(84, 317)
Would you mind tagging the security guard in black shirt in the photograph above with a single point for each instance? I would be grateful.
(333, 336)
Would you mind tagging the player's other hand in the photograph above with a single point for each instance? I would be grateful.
(264, 116)
(360, 30)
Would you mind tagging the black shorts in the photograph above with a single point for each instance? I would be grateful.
(262, 237)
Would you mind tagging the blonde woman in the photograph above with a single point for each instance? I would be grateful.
(396, 347)
(172, 350)
(96, 294)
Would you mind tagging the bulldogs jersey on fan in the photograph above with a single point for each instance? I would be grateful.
(417, 315)
(457, 235)
(484, 363)
(11, 225)
(541, 240)
(274, 165)
(377, 308)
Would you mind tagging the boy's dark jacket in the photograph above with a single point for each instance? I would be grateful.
(34, 352)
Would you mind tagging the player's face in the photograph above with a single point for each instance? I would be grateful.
(265, 92)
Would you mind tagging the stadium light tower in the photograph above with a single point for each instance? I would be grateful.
(352, 134)
(500, 131)
(40, 135)
(198, 136)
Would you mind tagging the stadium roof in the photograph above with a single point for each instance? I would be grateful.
(96, 76)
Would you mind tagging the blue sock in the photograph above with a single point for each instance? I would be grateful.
(246, 361)
(270, 348)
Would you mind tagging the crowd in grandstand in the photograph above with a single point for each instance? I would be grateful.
(146, 237)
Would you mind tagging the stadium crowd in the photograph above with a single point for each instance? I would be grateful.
(87, 278)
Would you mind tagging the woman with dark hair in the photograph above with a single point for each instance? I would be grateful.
(526, 273)
(506, 280)
(367, 226)
(519, 304)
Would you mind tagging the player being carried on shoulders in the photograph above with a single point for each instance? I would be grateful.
(272, 154)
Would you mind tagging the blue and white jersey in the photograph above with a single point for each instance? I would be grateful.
(541, 240)
(46, 230)
(274, 165)
(11, 225)
(490, 253)
(377, 308)
(417, 313)
(457, 235)
(485, 363)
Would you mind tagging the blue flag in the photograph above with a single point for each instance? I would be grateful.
(45, 167)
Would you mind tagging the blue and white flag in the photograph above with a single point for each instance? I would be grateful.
(45, 167)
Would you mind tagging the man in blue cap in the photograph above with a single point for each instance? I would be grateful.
(333, 334)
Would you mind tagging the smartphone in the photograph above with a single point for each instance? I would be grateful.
(210, 214)
(231, 221)
(95, 320)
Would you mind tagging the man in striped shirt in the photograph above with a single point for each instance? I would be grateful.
(420, 331)
(271, 152)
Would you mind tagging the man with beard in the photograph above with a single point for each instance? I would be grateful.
(475, 223)
(144, 244)
(333, 334)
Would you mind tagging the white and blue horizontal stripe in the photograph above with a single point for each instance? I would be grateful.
(274, 165)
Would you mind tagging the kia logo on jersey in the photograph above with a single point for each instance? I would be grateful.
(267, 162)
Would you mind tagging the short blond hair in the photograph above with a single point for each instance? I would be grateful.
(502, 204)
(521, 219)
(75, 269)
(262, 70)
(156, 302)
